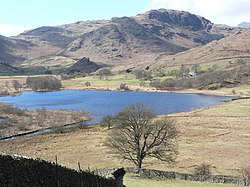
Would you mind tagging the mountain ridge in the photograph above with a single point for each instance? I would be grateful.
(139, 39)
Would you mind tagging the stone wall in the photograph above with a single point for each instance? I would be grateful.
(20, 171)
(190, 177)
(148, 173)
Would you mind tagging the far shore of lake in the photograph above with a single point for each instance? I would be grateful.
(152, 89)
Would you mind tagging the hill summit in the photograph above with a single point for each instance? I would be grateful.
(132, 40)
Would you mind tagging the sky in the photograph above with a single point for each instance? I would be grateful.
(17, 16)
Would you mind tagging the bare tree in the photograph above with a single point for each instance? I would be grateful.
(107, 121)
(16, 84)
(45, 83)
(137, 135)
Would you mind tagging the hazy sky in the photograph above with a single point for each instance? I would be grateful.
(19, 15)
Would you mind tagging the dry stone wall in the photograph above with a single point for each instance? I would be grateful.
(20, 171)
(149, 173)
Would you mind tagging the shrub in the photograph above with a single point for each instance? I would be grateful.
(124, 86)
(16, 84)
(142, 75)
(59, 130)
(5, 122)
(9, 109)
(87, 84)
(4, 91)
(203, 169)
(83, 125)
(22, 127)
(47, 83)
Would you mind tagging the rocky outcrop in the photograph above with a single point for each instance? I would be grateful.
(181, 19)
(54, 35)
(84, 65)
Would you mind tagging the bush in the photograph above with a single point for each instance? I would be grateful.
(203, 169)
(22, 127)
(59, 130)
(4, 90)
(16, 84)
(123, 86)
(87, 84)
(83, 124)
(5, 122)
(9, 109)
(47, 83)
(142, 75)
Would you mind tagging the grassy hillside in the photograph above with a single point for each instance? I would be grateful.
(53, 62)
(231, 47)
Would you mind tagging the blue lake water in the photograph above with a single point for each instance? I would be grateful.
(102, 103)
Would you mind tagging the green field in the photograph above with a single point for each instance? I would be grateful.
(108, 82)
(237, 109)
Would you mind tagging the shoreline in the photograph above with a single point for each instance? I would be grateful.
(220, 92)
(136, 90)
(151, 89)
(40, 131)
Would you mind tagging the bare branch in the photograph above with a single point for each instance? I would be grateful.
(137, 135)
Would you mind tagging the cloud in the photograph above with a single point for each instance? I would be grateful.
(12, 30)
(230, 12)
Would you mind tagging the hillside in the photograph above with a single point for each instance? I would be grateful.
(14, 50)
(120, 41)
(6, 68)
(9, 48)
(140, 39)
(234, 46)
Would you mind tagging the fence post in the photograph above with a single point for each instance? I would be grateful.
(119, 174)
(57, 179)
(81, 179)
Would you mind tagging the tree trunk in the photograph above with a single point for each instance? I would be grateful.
(138, 166)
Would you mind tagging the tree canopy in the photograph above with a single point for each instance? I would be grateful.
(138, 134)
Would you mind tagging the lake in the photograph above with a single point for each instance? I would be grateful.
(102, 103)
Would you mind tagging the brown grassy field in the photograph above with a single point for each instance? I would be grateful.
(219, 136)
(15, 121)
